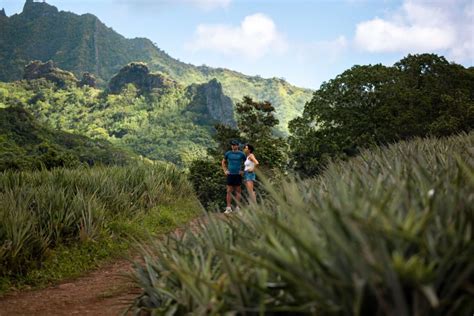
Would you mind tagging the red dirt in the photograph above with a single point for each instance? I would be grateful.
(106, 291)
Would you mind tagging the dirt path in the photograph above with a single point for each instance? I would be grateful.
(106, 291)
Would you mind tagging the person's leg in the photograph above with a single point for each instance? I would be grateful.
(238, 191)
(246, 182)
(229, 195)
(249, 185)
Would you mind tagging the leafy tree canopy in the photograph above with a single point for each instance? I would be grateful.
(256, 123)
(420, 95)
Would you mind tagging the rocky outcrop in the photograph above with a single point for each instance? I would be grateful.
(88, 79)
(3, 18)
(139, 75)
(37, 69)
(211, 103)
(34, 10)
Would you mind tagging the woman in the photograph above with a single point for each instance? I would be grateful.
(249, 171)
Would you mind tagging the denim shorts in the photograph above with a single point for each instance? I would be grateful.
(249, 176)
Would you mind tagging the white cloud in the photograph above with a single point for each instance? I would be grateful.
(378, 35)
(255, 37)
(422, 26)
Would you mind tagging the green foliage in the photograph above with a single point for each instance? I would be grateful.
(255, 123)
(387, 232)
(223, 136)
(42, 210)
(154, 125)
(72, 260)
(25, 144)
(82, 43)
(209, 183)
(420, 95)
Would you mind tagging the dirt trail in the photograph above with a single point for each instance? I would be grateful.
(106, 291)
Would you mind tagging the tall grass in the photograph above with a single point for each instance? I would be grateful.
(40, 210)
(387, 233)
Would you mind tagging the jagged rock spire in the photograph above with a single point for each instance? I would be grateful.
(36, 9)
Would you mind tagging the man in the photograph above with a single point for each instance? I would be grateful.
(232, 166)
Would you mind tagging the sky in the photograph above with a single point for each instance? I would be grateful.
(305, 42)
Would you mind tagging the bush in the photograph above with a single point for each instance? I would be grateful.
(209, 183)
(389, 232)
(41, 210)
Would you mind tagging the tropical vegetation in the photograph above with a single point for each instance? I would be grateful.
(389, 232)
(419, 95)
(376, 219)
(255, 124)
(59, 223)
(156, 126)
(27, 145)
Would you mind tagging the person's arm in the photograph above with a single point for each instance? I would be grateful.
(224, 166)
(255, 161)
(242, 163)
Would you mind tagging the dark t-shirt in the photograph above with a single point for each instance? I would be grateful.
(234, 161)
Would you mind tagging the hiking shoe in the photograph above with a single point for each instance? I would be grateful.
(237, 209)
(228, 210)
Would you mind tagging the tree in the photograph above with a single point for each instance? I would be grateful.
(256, 122)
(368, 105)
(435, 97)
(223, 136)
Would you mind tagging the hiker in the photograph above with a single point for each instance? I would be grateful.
(249, 171)
(232, 166)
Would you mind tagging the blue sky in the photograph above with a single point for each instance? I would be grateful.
(304, 41)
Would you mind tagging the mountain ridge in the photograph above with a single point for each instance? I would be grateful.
(82, 43)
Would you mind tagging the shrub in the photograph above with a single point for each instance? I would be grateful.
(389, 232)
(43, 209)
(209, 183)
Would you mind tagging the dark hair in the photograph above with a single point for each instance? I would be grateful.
(250, 147)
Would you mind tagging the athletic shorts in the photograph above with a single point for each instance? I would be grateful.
(234, 180)
(249, 176)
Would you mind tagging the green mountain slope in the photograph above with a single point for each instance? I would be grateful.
(82, 43)
(27, 144)
(145, 112)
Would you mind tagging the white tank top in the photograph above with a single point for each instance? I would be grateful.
(249, 164)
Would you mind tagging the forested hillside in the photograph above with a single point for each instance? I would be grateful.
(82, 43)
(147, 113)
(26, 144)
